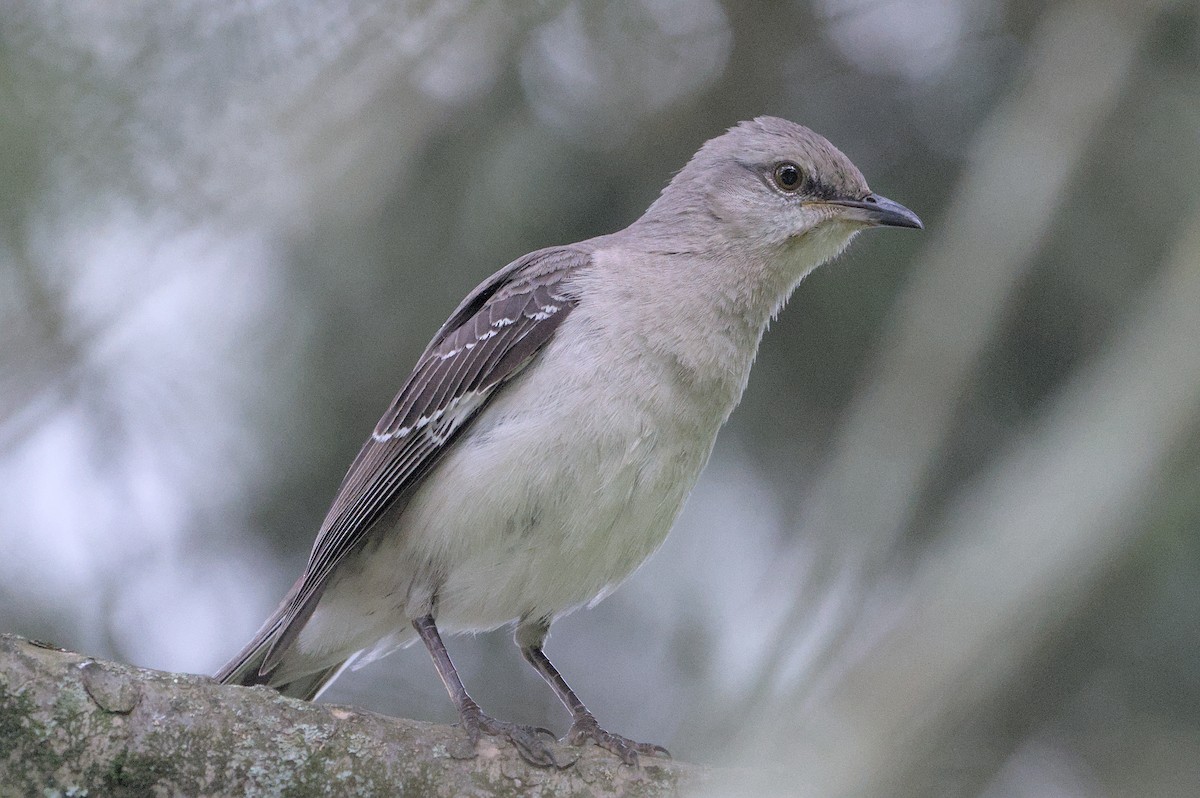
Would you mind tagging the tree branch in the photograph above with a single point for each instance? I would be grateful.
(72, 725)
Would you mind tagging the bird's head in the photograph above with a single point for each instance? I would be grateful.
(775, 188)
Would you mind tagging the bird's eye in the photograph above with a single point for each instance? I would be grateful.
(788, 176)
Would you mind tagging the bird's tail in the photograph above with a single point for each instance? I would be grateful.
(246, 668)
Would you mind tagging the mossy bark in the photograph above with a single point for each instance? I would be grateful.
(73, 726)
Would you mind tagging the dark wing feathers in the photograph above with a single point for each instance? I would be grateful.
(488, 339)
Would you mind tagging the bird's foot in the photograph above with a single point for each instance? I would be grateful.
(585, 728)
(528, 740)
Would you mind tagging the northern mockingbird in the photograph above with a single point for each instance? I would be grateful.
(546, 440)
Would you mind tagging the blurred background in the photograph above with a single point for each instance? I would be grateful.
(948, 545)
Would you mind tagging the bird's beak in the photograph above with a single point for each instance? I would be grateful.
(879, 211)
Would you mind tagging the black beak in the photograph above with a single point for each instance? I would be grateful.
(880, 211)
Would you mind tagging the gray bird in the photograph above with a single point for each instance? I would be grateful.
(546, 439)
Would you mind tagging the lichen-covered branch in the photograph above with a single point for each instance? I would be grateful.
(72, 725)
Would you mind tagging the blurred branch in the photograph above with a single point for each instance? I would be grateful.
(72, 725)
(1026, 547)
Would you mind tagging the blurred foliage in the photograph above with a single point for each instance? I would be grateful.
(949, 543)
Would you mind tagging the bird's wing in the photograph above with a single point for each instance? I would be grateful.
(489, 338)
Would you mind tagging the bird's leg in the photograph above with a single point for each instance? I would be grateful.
(526, 738)
(530, 637)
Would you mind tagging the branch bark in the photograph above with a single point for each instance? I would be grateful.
(73, 725)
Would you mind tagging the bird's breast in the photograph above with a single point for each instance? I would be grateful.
(571, 478)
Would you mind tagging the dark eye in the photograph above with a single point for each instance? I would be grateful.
(788, 176)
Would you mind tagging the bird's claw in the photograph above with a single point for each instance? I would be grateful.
(526, 739)
(586, 728)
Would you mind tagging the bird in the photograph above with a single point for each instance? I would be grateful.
(544, 443)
